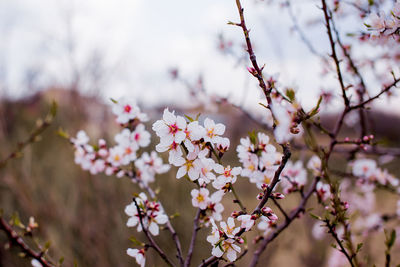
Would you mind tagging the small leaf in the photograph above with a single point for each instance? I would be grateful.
(135, 241)
(61, 260)
(253, 137)
(315, 216)
(291, 94)
(315, 110)
(359, 246)
(47, 246)
(189, 118)
(53, 108)
(63, 133)
(371, 2)
(114, 101)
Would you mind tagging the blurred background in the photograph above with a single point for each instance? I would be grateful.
(81, 53)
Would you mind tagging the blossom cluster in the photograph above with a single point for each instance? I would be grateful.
(381, 25)
(145, 213)
(111, 159)
(191, 147)
(259, 158)
(368, 171)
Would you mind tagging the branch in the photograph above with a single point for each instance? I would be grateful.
(169, 225)
(14, 238)
(196, 228)
(153, 244)
(293, 215)
(40, 128)
(338, 241)
(333, 55)
(384, 90)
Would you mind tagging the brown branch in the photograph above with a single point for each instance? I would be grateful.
(40, 128)
(175, 236)
(275, 180)
(333, 52)
(258, 71)
(153, 244)
(332, 231)
(293, 215)
(17, 240)
(384, 90)
(196, 228)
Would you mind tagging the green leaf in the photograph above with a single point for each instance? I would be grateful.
(253, 137)
(315, 110)
(61, 260)
(371, 2)
(315, 216)
(63, 133)
(390, 239)
(114, 101)
(189, 118)
(15, 220)
(135, 241)
(359, 246)
(291, 94)
(53, 108)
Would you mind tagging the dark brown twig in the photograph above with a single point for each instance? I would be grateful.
(293, 215)
(17, 240)
(196, 228)
(153, 244)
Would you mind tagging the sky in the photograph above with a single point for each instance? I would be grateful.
(124, 48)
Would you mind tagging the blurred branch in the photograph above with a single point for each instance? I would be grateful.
(17, 240)
(293, 215)
(42, 125)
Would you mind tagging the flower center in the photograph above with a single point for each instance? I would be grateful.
(127, 108)
(173, 128)
(200, 198)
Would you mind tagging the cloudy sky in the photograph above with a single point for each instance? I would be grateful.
(125, 47)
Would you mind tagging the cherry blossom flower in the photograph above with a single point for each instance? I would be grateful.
(150, 165)
(36, 263)
(247, 221)
(364, 167)
(294, 177)
(222, 144)
(138, 254)
(194, 132)
(170, 129)
(175, 152)
(314, 164)
(377, 23)
(228, 175)
(227, 246)
(323, 191)
(118, 156)
(200, 198)
(127, 111)
(282, 130)
(229, 227)
(189, 166)
(81, 138)
(206, 165)
(213, 131)
(140, 136)
(215, 206)
(150, 212)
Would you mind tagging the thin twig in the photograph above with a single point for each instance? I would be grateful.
(196, 228)
(153, 244)
(14, 238)
(293, 215)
